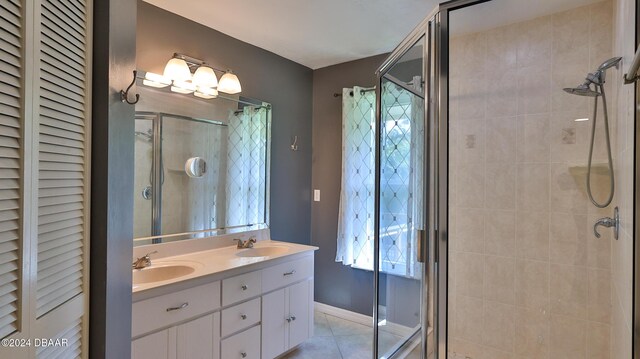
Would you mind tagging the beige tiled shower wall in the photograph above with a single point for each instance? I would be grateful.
(528, 278)
(622, 249)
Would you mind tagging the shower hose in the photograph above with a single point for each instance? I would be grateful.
(593, 135)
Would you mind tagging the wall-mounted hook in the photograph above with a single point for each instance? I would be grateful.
(294, 143)
(124, 95)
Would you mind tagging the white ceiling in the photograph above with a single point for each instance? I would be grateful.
(319, 33)
(315, 33)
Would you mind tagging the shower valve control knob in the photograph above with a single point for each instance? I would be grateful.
(608, 222)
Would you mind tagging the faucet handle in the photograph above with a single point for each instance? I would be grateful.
(252, 239)
(148, 255)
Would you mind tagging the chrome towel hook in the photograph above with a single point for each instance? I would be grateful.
(124, 95)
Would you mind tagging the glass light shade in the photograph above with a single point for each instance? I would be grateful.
(177, 70)
(206, 93)
(205, 77)
(183, 87)
(155, 80)
(229, 83)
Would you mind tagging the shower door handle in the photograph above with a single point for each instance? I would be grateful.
(420, 237)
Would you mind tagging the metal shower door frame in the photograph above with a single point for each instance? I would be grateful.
(435, 27)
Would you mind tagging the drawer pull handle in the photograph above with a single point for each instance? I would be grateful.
(243, 354)
(243, 316)
(288, 320)
(289, 273)
(293, 317)
(244, 287)
(181, 306)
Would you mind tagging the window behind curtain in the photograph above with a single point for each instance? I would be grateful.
(400, 192)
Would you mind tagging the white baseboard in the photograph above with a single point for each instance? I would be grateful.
(391, 328)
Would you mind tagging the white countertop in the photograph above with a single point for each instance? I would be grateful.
(220, 260)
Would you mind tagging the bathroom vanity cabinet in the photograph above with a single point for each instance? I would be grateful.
(260, 313)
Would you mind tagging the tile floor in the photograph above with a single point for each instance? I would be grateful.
(337, 338)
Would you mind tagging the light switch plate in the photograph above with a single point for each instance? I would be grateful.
(316, 195)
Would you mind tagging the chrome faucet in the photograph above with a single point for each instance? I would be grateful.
(245, 244)
(143, 261)
(608, 222)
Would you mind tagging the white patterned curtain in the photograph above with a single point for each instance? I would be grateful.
(355, 220)
(401, 187)
(246, 166)
(401, 182)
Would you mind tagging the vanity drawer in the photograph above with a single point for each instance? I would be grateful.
(240, 316)
(165, 310)
(244, 345)
(284, 274)
(241, 287)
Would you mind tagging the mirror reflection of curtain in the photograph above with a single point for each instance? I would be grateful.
(246, 166)
(355, 218)
(401, 179)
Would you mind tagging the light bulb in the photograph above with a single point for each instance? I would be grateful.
(177, 70)
(183, 87)
(155, 80)
(229, 83)
(205, 77)
(206, 93)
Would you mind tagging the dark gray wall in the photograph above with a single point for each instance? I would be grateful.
(111, 180)
(335, 284)
(265, 76)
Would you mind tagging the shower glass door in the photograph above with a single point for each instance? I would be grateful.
(400, 240)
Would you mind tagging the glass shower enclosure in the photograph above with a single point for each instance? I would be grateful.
(484, 240)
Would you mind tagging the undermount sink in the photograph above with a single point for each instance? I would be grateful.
(158, 273)
(268, 251)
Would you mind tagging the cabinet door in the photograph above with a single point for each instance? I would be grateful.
(160, 345)
(274, 328)
(299, 312)
(198, 339)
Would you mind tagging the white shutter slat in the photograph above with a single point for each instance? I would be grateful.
(64, 241)
(60, 216)
(52, 227)
(9, 152)
(11, 43)
(52, 201)
(58, 208)
(56, 235)
(45, 147)
(73, 349)
(9, 121)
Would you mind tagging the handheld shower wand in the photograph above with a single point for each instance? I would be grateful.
(597, 80)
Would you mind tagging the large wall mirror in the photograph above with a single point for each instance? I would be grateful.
(201, 166)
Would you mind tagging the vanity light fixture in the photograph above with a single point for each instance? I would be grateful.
(229, 83)
(177, 69)
(205, 77)
(203, 83)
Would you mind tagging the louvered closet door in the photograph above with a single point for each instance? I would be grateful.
(63, 171)
(44, 174)
(11, 43)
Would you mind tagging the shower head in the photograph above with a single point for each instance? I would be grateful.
(596, 78)
(582, 90)
(614, 61)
